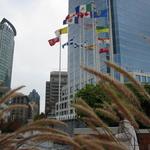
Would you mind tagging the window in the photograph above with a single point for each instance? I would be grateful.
(144, 79)
(138, 78)
(148, 79)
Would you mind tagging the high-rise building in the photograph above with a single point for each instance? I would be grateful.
(34, 98)
(7, 34)
(126, 41)
(52, 91)
(21, 114)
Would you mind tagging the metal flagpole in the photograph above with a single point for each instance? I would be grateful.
(94, 43)
(84, 52)
(80, 51)
(108, 4)
(59, 88)
(68, 78)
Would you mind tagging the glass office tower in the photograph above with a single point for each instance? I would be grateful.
(7, 33)
(131, 34)
(129, 41)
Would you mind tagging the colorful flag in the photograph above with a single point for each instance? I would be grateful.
(70, 16)
(76, 45)
(68, 43)
(84, 15)
(65, 44)
(88, 26)
(96, 15)
(102, 29)
(104, 13)
(84, 8)
(90, 47)
(53, 41)
(104, 40)
(72, 20)
(61, 31)
(104, 50)
(87, 14)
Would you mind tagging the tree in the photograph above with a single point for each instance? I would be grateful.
(93, 95)
(39, 116)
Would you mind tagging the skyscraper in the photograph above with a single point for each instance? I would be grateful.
(34, 100)
(7, 33)
(125, 40)
(52, 91)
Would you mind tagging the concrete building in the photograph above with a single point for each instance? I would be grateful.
(34, 101)
(7, 34)
(21, 114)
(128, 42)
(52, 91)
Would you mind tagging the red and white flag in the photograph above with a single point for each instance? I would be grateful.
(53, 41)
(104, 50)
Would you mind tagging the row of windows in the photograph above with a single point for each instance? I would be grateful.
(143, 79)
(62, 106)
(64, 112)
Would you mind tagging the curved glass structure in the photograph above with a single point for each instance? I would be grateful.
(7, 33)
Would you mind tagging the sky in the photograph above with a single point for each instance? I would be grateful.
(36, 22)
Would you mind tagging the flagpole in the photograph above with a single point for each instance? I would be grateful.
(111, 36)
(84, 52)
(80, 51)
(94, 49)
(59, 88)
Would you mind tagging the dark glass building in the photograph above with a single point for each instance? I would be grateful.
(7, 33)
(131, 34)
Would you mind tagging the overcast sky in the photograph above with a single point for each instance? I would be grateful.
(35, 22)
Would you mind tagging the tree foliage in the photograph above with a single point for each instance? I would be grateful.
(93, 95)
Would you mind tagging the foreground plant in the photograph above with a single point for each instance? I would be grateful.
(122, 100)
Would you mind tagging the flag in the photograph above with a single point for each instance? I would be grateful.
(68, 43)
(104, 40)
(88, 26)
(102, 29)
(72, 20)
(90, 47)
(61, 31)
(96, 15)
(70, 16)
(87, 14)
(104, 13)
(83, 8)
(84, 15)
(104, 50)
(76, 45)
(65, 44)
(53, 41)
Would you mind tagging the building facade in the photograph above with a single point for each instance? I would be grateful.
(52, 91)
(7, 34)
(128, 34)
(21, 114)
(34, 101)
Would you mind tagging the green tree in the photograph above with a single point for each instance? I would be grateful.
(93, 95)
(144, 102)
(39, 116)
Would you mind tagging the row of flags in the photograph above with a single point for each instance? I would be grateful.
(73, 18)
(103, 42)
(84, 11)
(65, 30)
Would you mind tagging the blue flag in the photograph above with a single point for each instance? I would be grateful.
(96, 15)
(104, 13)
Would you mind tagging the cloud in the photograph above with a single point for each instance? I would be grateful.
(35, 22)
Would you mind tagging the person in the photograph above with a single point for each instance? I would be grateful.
(127, 134)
